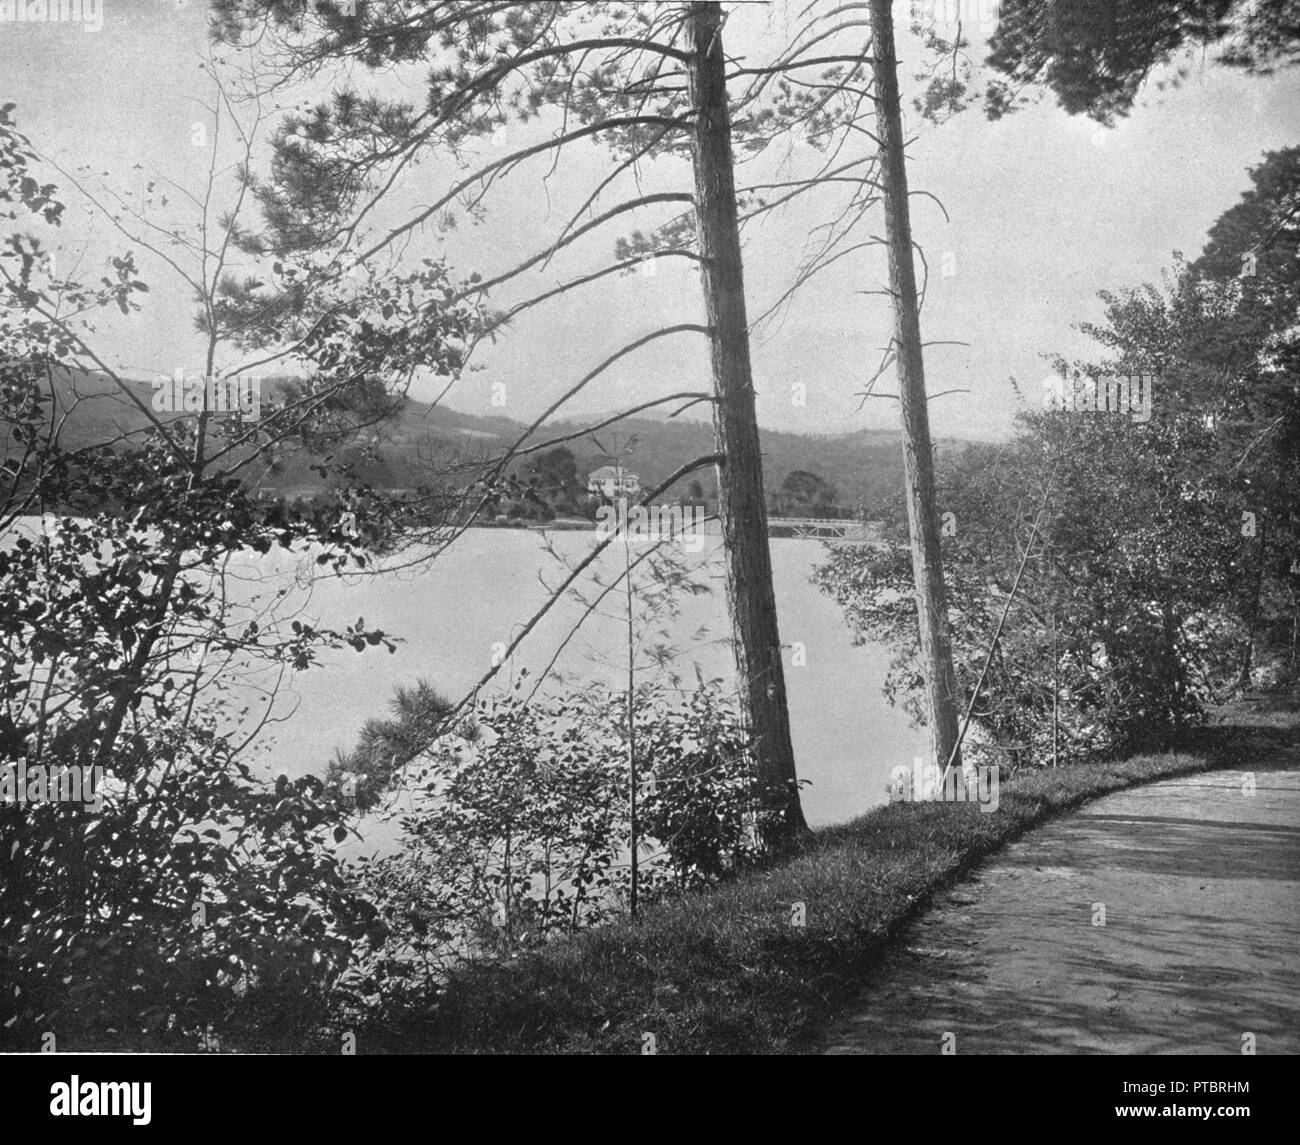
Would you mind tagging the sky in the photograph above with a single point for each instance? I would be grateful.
(1043, 211)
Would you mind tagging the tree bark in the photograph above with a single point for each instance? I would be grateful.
(1250, 616)
(918, 457)
(748, 561)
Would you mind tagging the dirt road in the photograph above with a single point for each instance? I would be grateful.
(1199, 883)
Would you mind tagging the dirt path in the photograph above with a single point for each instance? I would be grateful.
(1201, 943)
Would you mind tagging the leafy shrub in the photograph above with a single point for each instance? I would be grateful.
(524, 830)
(196, 903)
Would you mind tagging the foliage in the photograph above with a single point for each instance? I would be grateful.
(201, 902)
(197, 904)
(699, 796)
(1223, 335)
(1095, 55)
(1085, 619)
(804, 494)
(385, 747)
(1161, 572)
(725, 972)
(555, 472)
(521, 831)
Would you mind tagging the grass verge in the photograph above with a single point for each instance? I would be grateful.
(724, 971)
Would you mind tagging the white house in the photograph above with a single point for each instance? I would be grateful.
(611, 482)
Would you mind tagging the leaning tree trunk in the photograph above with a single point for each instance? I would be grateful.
(740, 478)
(922, 517)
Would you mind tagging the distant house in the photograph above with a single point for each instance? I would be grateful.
(610, 481)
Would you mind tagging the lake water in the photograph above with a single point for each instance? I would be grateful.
(451, 612)
(489, 583)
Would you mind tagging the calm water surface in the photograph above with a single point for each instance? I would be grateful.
(482, 590)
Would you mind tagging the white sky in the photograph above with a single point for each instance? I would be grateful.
(1044, 212)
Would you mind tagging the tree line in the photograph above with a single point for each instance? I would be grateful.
(206, 906)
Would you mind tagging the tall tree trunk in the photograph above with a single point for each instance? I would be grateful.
(918, 457)
(634, 842)
(1056, 695)
(1250, 616)
(735, 426)
(1171, 667)
(1295, 628)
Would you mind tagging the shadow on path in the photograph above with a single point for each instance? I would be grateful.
(1200, 886)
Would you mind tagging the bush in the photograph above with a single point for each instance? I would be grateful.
(524, 830)
(197, 907)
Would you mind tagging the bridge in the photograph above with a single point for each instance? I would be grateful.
(822, 529)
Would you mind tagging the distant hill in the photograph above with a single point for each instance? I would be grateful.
(863, 465)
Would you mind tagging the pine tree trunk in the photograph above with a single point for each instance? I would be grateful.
(918, 457)
(1250, 618)
(748, 561)
(1172, 671)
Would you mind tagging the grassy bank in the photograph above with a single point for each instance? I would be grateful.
(724, 971)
